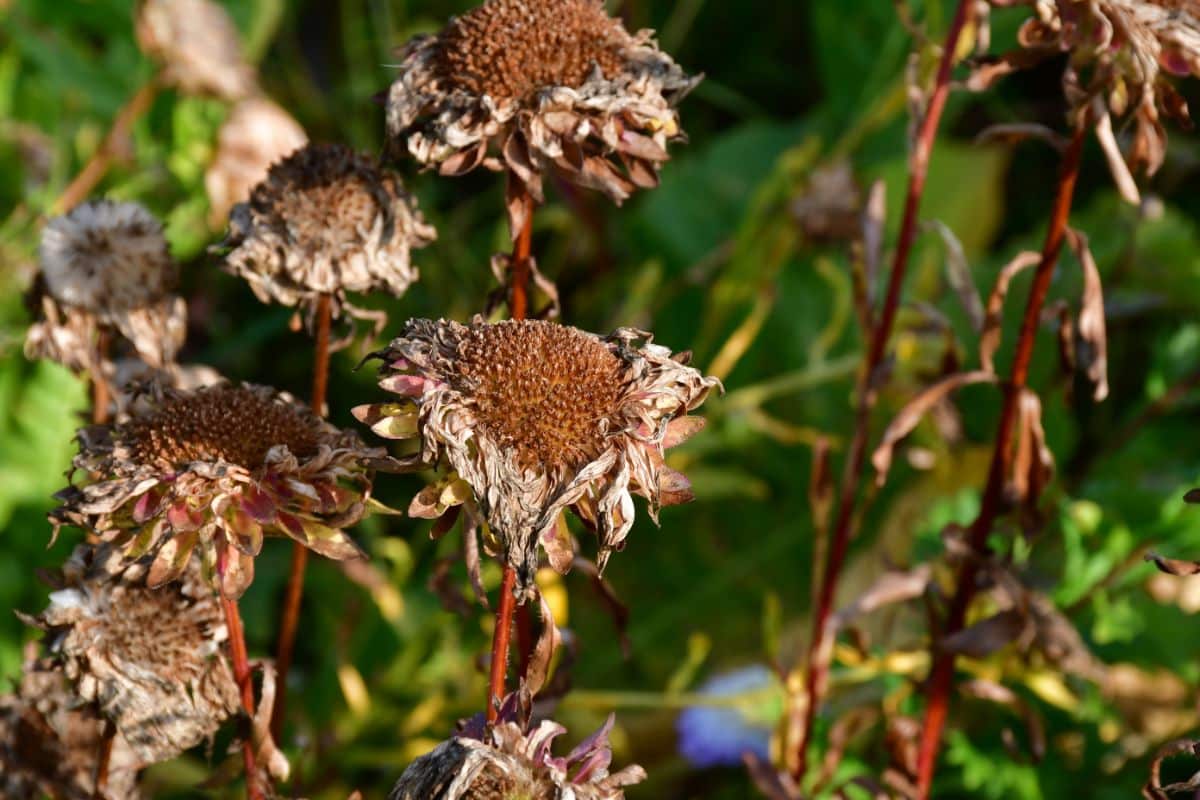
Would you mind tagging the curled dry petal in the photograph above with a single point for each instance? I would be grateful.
(198, 46)
(989, 338)
(1092, 328)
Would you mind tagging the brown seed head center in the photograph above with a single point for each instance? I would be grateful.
(509, 49)
(222, 423)
(541, 390)
(159, 630)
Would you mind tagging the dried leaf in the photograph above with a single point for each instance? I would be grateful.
(912, 413)
(846, 728)
(1033, 462)
(773, 784)
(441, 583)
(1013, 132)
(1192, 496)
(1126, 186)
(958, 274)
(988, 635)
(989, 337)
(994, 692)
(1092, 329)
(1174, 566)
(1154, 790)
(539, 661)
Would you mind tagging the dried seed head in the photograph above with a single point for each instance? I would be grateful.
(547, 391)
(149, 658)
(231, 424)
(510, 49)
(326, 221)
(198, 46)
(106, 257)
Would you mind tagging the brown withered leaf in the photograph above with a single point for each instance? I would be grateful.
(1174, 566)
(1154, 790)
(912, 413)
(770, 782)
(441, 583)
(1126, 185)
(989, 635)
(845, 729)
(958, 274)
(1092, 328)
(989, 338)
(543, 652)
(1193, 496)
(1013, 132)
(1033, 462)
(999, 694)
(987, 71)
(1060, 311)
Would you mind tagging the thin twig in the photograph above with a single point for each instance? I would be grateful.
(290, 621)
(941, 675)
(102, 159)
(843, 529)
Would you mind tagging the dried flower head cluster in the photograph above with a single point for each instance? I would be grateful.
(326, 221)
(533, 417)
(50, 743)
(509, 762)
(1121, 54)
(105, 265)
(148, 659)
(255, 135)
(197, 45)
(529, 86)
(213, 471)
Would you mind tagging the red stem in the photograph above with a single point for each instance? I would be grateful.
(941, 676)
(843, 529)
(100, 391)
(518, 305)
(241, 674)
(290, 621)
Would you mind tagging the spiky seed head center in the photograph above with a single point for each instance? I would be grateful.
(228, 424)
(509, 49)
(542, 390)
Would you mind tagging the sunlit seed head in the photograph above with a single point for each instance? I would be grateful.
(541, 389)
(509, 49)
(220, 423)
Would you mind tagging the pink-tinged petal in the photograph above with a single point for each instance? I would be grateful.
(674, 488)
(239, 574)
(680, 429)
(172, 559)
(560, 549)
(425, 504)
(183, 519)
(599, 760)
(146, 539)
(1175, 62)
(258, 504)
(246, 532)
(405, 385)
(330, 542)
(146, 506)
(597, 739)
(389, 420)
(292, 526)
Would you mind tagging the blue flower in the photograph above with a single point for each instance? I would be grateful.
(712, 735)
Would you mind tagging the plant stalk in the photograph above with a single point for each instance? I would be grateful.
(819, 653)
(241, 675)
(290, 621)
(941, 675)
(518, 306)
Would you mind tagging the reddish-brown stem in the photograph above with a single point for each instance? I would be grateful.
(290, 621)
(525, 640)
(94, 170)
(500, 639)
(241, 675)
(100, 391)
(843, 528)
(941, 675)
(100, 785)
(518, 306)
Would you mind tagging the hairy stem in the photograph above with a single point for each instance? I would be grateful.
(518, 305)
(290, 621)
(820, 651)
(941, 675)
(241, 674)
(114, 140)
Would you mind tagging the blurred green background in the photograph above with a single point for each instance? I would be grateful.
(716, 261)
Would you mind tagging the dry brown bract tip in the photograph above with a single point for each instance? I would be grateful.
(214, 470)
(507, 763)
(149, 660)
(533, 85)
(533, 417)
(50, 743)
(105, 266)
(1121, 54)
(326, 221)
(256, 134)
(198, 46)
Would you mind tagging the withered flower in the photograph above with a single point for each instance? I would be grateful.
(214, 470)
(50, 742)
(507, 762)
(529, 86)
(105, 266)
(326, 220)
(256, 134)
(149, 660)
(533, 417)
(198, 46)
(1122, 52)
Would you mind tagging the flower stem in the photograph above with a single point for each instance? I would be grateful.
(241, 675)
(518, 306)
(941, 675)
(100, 389)
(95, 169)
(819, 650)
(290, 621)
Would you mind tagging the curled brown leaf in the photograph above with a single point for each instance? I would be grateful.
(1154, 790)
(989, 337)
(1174, 566)
(958, 274)
(1092, 328)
